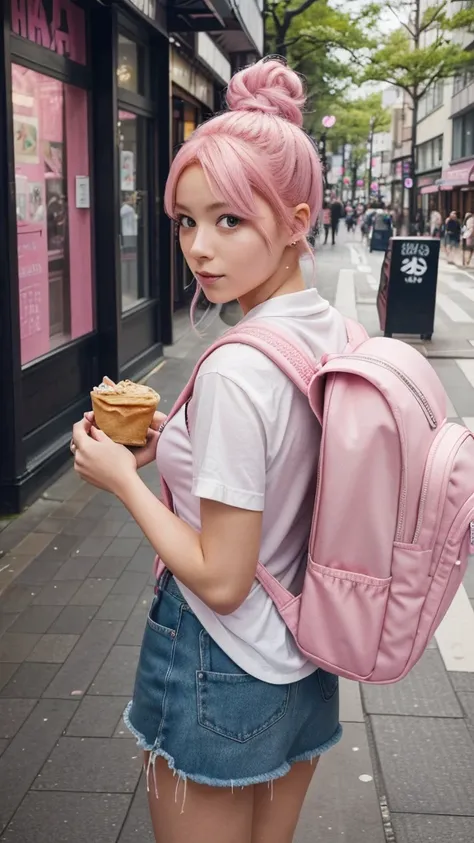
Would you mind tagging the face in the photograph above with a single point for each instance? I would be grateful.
(228, 255)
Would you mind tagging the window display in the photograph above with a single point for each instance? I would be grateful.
(133, 208)
(53, 219)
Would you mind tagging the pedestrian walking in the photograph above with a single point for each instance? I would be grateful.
(337, 212)
(326, 220)
(467, 237)
(453, 236)
(231, 715)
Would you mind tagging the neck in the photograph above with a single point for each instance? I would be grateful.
(287, 279)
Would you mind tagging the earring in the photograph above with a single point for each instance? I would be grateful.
(294, 243)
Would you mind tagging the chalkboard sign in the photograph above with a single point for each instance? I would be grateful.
(406, 298)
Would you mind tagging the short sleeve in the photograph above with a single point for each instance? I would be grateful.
(228, 444)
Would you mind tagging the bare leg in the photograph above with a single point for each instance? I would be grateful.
(185, 812)
(277, 805)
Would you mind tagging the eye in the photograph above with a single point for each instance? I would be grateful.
(186, 222)
(229, 221)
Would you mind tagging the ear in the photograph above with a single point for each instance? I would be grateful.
(301, 220)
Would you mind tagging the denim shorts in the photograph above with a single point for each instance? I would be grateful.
(211, 721)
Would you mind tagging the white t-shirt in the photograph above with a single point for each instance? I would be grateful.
(254, 444)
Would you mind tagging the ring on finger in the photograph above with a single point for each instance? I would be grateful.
(72, 446)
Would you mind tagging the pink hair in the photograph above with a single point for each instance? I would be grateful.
(258, 146)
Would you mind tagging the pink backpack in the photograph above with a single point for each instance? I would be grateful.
(393, 520)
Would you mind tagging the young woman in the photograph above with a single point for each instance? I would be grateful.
(231, 716)
(467, 239)
(453, 236)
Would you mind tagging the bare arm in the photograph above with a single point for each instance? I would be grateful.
(218, 564)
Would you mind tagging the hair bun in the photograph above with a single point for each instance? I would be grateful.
(268, 86)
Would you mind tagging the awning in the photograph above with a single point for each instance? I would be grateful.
(431, 188)
(458, 175)
(198, 15)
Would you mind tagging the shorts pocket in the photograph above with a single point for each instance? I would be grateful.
(163, 616)
(234, 704)
(328, 683)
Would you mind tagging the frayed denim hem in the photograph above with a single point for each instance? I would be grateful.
(278, 773)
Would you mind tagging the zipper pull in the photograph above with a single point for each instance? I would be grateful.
(471, 537)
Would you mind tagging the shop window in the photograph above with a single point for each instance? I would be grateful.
(51, 156)
(130, 70)
(132, 131)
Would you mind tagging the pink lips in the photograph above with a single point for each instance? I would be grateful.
(206, 280)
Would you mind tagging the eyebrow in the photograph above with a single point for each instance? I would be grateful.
(215, 206)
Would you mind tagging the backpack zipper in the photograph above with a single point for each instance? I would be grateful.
(422, 401)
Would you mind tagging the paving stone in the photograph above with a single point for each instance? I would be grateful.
(130, 583)
(36, 619)
(16, 646)
(70, 509)
(132, 633)
(123, 547)
(425, 692)
(107, 500)
(68, 818)
(92, 593)
(57, 593)
(76, 567)
(467, 702)
(79, 670)
(95, 509)
(40, 571)
(142, 561)
(85, 493)
(6, 621)
(116, 607)
(97, 717)
(6, 672)
(33, 544)
(91, 765)
(74, 619)
(137, 827)
(339, 805)
(93, 546)
(131, 530)
(10, 538)
(53, 648)
(51, 525)
(30, 680)
(427, 764)
(38, 736)
(416, 828)
(13, 714)
(107, 527)
(122, 732)
(3, 746)
(117, 675)
(110, 567)
(119, 513)
(59, 547)
(462, 681)
(16, 598)
(79, 527)
(64, 487)
(350, 702)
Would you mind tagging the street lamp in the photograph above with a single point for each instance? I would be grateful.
(371, 152)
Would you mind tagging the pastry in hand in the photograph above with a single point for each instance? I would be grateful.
(124, 411)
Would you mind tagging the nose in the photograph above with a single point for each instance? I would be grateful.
(201, 247)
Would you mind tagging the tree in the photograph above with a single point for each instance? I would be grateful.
(356, 121)
(320, 41)
(420, 53)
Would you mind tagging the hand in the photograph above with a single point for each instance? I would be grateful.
(100, 461)
(146, 454)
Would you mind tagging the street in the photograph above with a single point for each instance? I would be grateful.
(75, 586)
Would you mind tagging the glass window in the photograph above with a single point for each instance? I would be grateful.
(132, 131)
(130, 71)
(457, 138)
(468, 134)
(50, 122)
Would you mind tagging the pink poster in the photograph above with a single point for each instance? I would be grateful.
(33, 291)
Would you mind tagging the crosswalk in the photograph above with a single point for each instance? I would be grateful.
(356, 288)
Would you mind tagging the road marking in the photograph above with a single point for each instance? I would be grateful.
(372, 282)
(363, 268)
(345, 294)
(467, 366)
(457, 287)
(451, 309)
(455, 635)
(355, 258)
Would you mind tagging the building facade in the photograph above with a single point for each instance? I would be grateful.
(93, 99)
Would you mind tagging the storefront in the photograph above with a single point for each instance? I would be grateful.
(85, 270)
(88, 271)
(428, 193)
(457, 188)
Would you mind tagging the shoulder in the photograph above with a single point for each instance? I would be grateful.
(244, 365)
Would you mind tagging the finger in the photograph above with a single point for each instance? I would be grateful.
(89, 416)
(157, 420)
(80, 432)
(98, 435)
